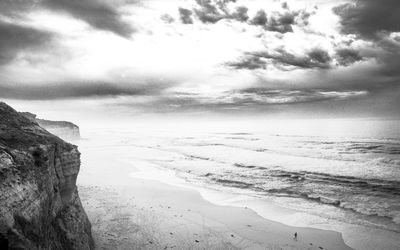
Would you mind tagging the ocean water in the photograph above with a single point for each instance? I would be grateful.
(346, 171)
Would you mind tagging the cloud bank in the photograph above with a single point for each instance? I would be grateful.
(16, 39)
(99, 14)
(203, 54)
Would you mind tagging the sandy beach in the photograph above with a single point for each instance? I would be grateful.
(129, 212)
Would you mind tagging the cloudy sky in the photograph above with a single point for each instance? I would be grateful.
(321, 57)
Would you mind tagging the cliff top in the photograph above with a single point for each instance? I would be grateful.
(19, 132)
(43, 122)
(57, 123)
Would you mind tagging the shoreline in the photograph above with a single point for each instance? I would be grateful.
(144, 207)
(355, 236)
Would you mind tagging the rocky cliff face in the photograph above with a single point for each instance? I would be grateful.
(39, 202)
(63, 129)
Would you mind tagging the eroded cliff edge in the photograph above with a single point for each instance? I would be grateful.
(63, 129)
(39, 202)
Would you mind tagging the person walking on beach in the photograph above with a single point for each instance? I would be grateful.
(295, 236)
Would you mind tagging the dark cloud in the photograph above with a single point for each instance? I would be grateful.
(16, 8)
(210, 11)
(320, 56)
(240, 14)
(260, 18)
(11, 34)
(282, 96)
(374, 21)
(287, 18)
(15, 39)
(250, 98)
(281, 21)
(315, 58)
(347, 56)
(185, 15)
(69, 90)
(167, 18)
(222, 4)
(248, 62)
(389, 59)
(368, 18)
(96, 13)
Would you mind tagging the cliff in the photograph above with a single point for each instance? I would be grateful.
(39, 202)
(63, 129)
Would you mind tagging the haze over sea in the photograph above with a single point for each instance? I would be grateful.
(339, 174)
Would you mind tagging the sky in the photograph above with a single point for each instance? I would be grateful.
(318, 58)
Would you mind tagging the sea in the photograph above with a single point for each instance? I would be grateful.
(336, 174)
